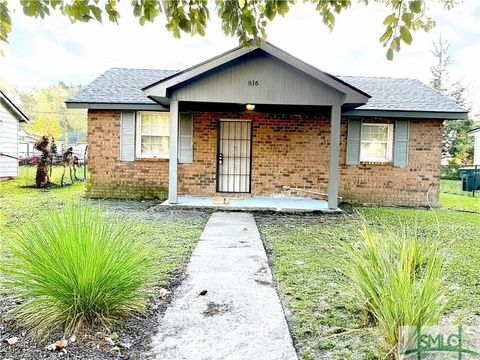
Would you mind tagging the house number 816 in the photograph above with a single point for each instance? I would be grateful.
(252, 82)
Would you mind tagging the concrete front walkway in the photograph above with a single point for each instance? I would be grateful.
(240, 316)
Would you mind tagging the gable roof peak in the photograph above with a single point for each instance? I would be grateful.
(159, 88)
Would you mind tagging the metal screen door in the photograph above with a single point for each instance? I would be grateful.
(234, 156)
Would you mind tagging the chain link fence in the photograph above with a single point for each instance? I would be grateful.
(24, 159)
(468, 176)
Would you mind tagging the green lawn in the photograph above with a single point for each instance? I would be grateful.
(452, 196)
(326, 315)
(176, 238)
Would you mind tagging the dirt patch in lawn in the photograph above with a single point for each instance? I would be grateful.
(131, 337)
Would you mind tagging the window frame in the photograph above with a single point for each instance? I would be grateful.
(138, 137)
(389, 142)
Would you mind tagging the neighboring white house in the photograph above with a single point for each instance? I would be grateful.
(26, 144)
(10, 116)
(476, 154)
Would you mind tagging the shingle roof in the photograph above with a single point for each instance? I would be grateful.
(401, 94)
(124, 86)
(120, 85)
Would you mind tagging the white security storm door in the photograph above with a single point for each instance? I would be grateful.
(234, 156)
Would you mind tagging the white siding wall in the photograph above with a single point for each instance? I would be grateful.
(476, 156)
(8, 142)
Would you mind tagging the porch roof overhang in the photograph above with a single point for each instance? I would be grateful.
(328, 89)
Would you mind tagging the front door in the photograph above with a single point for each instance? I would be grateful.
(234, 156)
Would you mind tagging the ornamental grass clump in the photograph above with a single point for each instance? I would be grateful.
(399, 279)
(73, 268)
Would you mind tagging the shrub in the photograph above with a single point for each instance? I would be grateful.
(450, 172)
(74, 268)
(399, 279)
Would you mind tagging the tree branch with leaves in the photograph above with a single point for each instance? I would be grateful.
(457, 146)
(245, 19)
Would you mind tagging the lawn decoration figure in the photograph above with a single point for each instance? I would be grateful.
(44, 145)
(70, 161)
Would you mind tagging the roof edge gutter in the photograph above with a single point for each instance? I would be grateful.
(408, 114)
(114, 106)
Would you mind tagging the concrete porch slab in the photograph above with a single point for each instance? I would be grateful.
(255, 203)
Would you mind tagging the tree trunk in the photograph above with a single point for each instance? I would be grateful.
(42, 179)
(44, 145)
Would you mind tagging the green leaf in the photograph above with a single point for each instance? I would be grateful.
(270, 12)
(96, 12)
(201, 29)
(185, 25)
(283, 8)
(407, 18)
(406, 35)
(55, 3)
(82, 8)
(390, 19)
(330, 20)
(248, 23)
(397, 42)
(393, 44)
(416, 6)
(386, 35)
(390, 54)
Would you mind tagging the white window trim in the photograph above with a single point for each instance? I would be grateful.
(138, 137)
(389, 157)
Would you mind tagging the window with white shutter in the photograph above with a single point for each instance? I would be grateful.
(185, 138)
(127, 136)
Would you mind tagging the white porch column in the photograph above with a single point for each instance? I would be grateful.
(173, 156)
(333, 174)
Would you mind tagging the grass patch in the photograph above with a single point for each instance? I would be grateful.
(452, 196)
(327, 318)
(452, 187)
(20, 200)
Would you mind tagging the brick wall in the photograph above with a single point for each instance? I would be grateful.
(112, 178)
(280, 145)
(386, 184)
(287, 150)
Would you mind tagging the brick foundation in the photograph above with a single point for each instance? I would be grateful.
(287, 150)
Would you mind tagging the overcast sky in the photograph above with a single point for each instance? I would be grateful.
(44, 52)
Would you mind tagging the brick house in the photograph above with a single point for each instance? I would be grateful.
(260, 122)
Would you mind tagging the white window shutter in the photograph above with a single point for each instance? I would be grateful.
(400, 146)
(127, 136)
(354, 135)
(185, 153)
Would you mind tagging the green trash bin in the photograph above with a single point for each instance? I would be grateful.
(470, 178)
